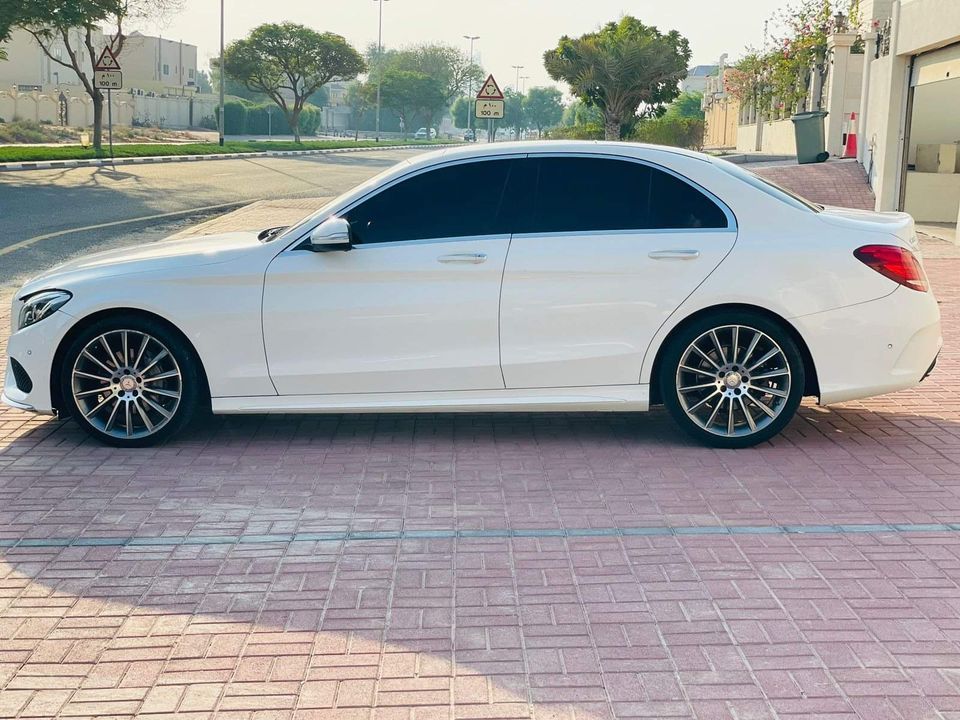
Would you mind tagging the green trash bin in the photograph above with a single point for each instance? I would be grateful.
(811, 145)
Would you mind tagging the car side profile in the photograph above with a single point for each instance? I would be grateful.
(572, 276)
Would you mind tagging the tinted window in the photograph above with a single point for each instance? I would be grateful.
(584, 194)
(456, 201)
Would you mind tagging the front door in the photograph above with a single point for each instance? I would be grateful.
(608, 250)
(413, 307)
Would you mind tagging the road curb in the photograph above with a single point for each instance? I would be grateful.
(101, 162)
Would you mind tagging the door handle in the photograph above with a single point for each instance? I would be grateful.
(674, 255)
(463, 258)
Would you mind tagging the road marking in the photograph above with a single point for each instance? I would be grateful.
(357, 535)
(31, 241)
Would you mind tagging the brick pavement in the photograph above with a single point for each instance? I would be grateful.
(837, 182)
(490, 566)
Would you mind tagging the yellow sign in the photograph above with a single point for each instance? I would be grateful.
(489, 109)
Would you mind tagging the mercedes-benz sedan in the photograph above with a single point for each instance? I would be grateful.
(557, 276)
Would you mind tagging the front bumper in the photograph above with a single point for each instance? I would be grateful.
(34, 348)
(873, 348)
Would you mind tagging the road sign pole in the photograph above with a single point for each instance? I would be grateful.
(110, 121)
(490, 130)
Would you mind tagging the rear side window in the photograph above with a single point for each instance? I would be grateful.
(580, 194)
(461, 200)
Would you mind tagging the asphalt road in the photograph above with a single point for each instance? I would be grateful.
(90, 209)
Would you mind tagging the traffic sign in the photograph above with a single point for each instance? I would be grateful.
(490, 90)
(108, 79)
(107, 61)
(489, 109)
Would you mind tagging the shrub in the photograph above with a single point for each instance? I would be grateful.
(208, 122)
(590, 131)
(674, 131)
(234, 117)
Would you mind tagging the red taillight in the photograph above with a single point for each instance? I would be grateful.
(896, 263)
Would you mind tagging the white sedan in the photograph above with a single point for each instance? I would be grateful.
(556, 276)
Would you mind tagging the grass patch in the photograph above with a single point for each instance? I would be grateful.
(76, 152)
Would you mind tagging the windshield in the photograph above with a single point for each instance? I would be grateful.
(768, 186)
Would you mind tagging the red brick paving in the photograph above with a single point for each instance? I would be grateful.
(838, 182)
(826, 625)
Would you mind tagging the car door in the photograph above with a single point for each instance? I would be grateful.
(412, 307)
(609, 249)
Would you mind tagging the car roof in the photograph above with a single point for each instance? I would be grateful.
(524, 147)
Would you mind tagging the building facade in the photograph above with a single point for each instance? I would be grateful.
(159, 77)
(910, 106)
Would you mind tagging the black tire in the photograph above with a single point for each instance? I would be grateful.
(152, 394)
(728, 390)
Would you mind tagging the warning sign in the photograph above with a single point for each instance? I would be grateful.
(490, 90)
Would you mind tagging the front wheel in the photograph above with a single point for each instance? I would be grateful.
(130, 381)
(732, 380)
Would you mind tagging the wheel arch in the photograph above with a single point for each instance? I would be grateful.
(812, 383)
(82, 324)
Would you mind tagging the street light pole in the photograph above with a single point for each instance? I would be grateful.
(379, 59)
(516, 85)
(223, 77)
(471, 38)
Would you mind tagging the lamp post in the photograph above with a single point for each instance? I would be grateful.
(471, 38)
(516, 85)
(379, 59)
(523, 83)
(223, 78)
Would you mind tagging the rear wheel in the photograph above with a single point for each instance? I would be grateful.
(130, 381)
(732, 380)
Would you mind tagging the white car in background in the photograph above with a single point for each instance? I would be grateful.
(574, 276)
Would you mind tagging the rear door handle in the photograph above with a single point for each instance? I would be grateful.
(674, 255)
(463, 258)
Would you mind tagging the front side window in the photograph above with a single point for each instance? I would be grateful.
(463, 200)
(584, 194)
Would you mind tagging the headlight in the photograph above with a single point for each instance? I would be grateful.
(42, 304)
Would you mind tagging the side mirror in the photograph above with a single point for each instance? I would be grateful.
(331, 235)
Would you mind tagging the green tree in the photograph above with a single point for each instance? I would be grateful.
(578, 113)
(75, 25)
(411, 95)
(513, 114)
(204, 86)
(688, 104)
(543, 108)
(360, 98)
(461, 111)
(289, 63)
(620, 67)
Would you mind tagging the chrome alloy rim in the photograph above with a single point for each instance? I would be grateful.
(733, 381)
(126, 384)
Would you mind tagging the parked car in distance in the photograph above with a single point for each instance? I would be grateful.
(573, 276)
(470, 136)
(424, 134)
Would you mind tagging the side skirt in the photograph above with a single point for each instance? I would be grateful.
(614, 398)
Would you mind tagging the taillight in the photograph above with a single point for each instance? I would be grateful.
(896, 263)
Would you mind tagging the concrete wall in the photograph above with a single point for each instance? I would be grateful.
(933, 197)
(778, 138)
(927, 24)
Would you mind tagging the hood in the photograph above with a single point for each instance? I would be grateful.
(163, 255)
(893, 223)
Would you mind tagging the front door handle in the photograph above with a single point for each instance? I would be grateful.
(463, 258)
(674, 255)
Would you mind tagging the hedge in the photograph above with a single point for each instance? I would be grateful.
(246, 118)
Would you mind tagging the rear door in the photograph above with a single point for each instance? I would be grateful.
(607, 250)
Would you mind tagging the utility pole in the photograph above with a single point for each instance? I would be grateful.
(223, 77)
(470, 97)
(379, 59)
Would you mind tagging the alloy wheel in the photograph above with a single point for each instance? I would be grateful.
(126, 384)
(733, 381)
